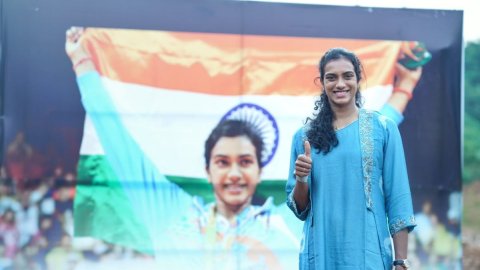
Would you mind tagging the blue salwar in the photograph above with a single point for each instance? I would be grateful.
(359, 197)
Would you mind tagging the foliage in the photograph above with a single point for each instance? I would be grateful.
(472, 79)
(471, 170)
(472, 113)
(471, 207)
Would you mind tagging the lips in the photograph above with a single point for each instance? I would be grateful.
(341, 93)
(234, 188)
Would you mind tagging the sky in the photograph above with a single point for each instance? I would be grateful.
(471, 8)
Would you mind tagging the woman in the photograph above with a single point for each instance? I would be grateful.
(229, 233)
(348, 177)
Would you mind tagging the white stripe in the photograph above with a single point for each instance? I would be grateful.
(171, 126)
(90, 143)
(375, 97)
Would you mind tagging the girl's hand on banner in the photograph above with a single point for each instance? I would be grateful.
(81, 59)
(406, 79)
(406, 50)
(73, 41)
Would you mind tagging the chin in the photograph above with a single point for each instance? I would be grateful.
(236, 202)
(342, 103)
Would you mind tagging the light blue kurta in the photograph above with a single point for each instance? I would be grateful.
(350, 199)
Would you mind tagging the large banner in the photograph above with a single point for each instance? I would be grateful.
(134, 163)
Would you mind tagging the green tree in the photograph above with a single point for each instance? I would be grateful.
(472, 113)
(471, 169)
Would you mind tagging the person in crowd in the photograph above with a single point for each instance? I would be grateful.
(17, 160)
(9, 235)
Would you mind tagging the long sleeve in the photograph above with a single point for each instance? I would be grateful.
(398, 199)
(392, 113)
(291, 179)
(156, 200)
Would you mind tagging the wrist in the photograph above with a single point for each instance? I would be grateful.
(403, 91)
(406, 84)
(78, 55)
(81, 61)
(401, 263)
(301, 179)
(83, 65)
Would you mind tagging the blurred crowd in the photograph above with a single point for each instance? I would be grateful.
(435, 244)
(36, 219)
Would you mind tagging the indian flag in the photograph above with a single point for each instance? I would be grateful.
(172, 88)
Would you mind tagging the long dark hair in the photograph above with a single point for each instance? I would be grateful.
(234, 128)
(320, 133)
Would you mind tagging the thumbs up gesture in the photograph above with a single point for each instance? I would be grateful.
(303, 164)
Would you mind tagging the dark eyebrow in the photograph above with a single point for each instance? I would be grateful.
(226, 156)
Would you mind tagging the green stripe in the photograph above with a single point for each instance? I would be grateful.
(102, 209)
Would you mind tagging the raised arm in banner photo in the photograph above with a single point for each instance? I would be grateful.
(407, 75)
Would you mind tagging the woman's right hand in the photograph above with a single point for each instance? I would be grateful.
(81, 59)
(73, 46)
(303, 164)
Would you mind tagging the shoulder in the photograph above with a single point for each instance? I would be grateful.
(297, 140)
(300, 134)
(380, 120)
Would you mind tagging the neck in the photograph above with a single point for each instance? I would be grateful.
(345, 112)
(343, 116)
(230, 211)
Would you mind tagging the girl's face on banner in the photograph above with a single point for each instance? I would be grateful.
(234, 171)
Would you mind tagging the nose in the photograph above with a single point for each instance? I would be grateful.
(234, 174)
(340, 83)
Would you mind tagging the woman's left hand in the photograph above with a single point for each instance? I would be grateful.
(405, 78)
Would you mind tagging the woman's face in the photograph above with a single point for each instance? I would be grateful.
(340, 82)
(234, 171)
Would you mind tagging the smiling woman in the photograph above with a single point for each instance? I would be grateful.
(352, 181)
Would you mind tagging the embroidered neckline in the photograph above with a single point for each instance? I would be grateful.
(348, 125)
